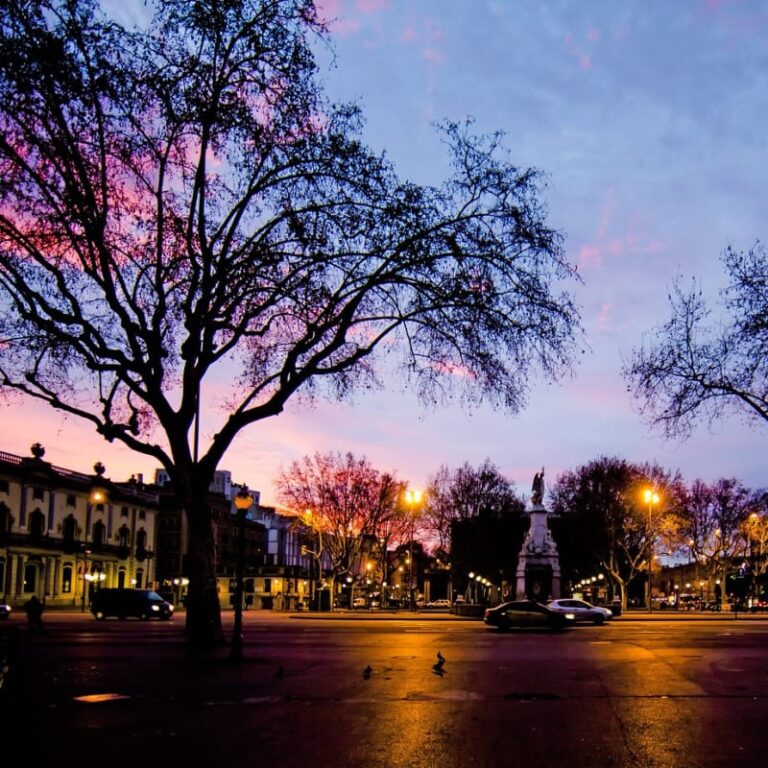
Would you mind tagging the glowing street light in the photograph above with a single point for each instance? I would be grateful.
(243, 502)
(412, 497)
(651, 498)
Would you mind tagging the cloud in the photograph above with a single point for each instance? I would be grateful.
(604, 319)
(372, 6)
(581, 51)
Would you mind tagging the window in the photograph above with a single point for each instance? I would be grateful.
(66, 579)
(71, 500)
(139, 578)
(36, 524)
(38, 493)
(69, 529)
(142, 515)
(5, 519)
(124, 512)
(4, 487)
(99, 534)
(122, 536)
(121, 579)
(30, 578)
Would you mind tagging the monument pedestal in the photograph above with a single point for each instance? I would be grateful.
(538, 565)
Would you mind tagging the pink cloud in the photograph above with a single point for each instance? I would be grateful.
(330, 12)
(576, 51)
(432, 55)
(372, 6)
(604, 320)
(590, 255)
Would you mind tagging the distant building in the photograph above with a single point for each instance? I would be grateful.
(65, 534)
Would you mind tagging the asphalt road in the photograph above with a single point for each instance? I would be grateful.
(363, 693)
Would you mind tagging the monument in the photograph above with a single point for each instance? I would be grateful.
(538, 564)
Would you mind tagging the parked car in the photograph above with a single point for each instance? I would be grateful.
(5, 610)
(439, 603)
(527, 614)
(582, 610)
(126, 603)
(358, 602)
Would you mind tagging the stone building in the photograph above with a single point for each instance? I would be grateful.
(65, 534)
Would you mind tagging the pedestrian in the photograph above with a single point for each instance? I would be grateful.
(34, 610)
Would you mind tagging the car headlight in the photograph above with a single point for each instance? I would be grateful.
(570, 616)
(155, 608)
(608, 612)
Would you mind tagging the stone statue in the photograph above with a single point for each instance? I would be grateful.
(537, 489)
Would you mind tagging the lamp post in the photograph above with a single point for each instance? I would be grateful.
(651, 498)
(413, 498)
(243, 502)
(86, 579)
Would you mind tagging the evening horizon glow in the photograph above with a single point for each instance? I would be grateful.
(646, 121)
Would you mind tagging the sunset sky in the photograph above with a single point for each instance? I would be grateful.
(648, 119)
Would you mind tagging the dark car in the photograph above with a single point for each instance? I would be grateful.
(526, 614)
(127, 603)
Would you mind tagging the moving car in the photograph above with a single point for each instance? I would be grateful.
(5, 610)
(582, 610)
(441, 603)
(527, 614)
(125, 603)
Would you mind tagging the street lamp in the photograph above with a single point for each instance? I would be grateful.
(86, 579)
(651, 498)
(243, 502)
(413, 498)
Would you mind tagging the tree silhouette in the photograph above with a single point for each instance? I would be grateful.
(701, 365)
(180, 201)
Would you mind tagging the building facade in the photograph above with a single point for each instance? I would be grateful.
(65, 534)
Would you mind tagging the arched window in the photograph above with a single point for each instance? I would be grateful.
(139, 579)
(99, 533)
(36, 524)
(66, 578)
(123, 535)
(121, 579)
(141, 541)
(5, 521)
(69, 529)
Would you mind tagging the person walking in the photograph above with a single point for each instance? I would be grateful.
(34, 610)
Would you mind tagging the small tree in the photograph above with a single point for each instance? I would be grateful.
(352, 505)
(180, 201)
(694, 367)
(713, 522)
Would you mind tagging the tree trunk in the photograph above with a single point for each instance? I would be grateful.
(203, 625)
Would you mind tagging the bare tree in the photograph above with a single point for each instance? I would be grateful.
(697, 366)
(713, 523)
(180, 201)
(355, 508)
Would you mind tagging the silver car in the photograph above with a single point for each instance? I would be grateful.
(582, 610)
